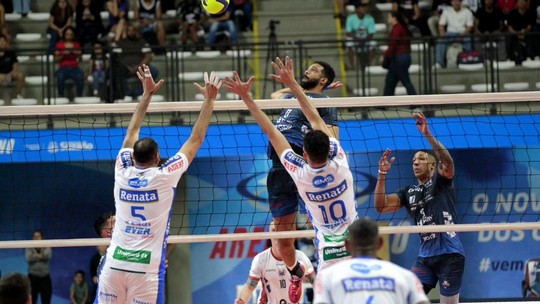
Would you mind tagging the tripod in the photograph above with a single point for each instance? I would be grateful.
(272, 51)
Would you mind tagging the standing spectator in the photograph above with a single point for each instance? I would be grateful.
(78, 291)
(189, 17)
(352, 281)
(118, 18)
(67, 54)
(398, 56)
(133, 52)
(9, 67)
(430, 202)
(21, 7)
(39, 260)
(221, 22)
(455, 25)
(89, 24)
(520, 23)
(413, 15)
(98, 68)
(360, 28)
(15, 289)
(148, 16)
(61, 17)
(242, 11)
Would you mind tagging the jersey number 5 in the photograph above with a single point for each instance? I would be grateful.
(136, 212)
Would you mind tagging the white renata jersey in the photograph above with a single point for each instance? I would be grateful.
(143, 200)
(367, 280)
(274, 276)
(328, 191)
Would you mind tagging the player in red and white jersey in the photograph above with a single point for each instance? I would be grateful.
(321, 174)
(134, 268)
(364, 278)
(269, 268)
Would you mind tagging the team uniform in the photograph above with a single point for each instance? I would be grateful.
(134, 268)
(293, 124)
(274, 276)
(433, 204)
(328, 193)
(367, 280)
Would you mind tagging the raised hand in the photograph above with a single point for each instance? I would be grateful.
(334, 85)
(149, 86)
(236, 85)
(211, 86)
(385, 163)
(284, 72)
(421, 123)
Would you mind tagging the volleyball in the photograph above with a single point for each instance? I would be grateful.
(215, 6)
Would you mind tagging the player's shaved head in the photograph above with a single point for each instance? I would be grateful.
(317, 146)
(363, 237)
(145, 150)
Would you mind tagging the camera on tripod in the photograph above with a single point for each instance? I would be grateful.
(272, 24)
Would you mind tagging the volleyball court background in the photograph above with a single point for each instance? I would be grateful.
(61, 180)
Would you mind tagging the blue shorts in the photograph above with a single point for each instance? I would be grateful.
(447, 269)
(282, 193)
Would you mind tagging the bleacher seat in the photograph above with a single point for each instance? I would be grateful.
(241, 53)
(13, 17)
(483, 87)
(538, 85)
(400, 91)
(24, 101)
(27, 37)
(504, 65)
(471, 66)
(23, 58)
(126, 99)
(154, 98)
(232, 96)
(87, 100)
(414, 68)
(453, 88)
(2, 102)
(531, 64)
(207, 54)
(380, 27)
(223, 74)
(38, 16)
(178, 55)
(170, 13)
(44, 58)
(86, 57)
(56, 101)
(36, 80)
(191, 76)
(376, 70)
(366, 91)
(384, 7)
(516, 86)
(200, 96)
(417, 47)
(104, 15)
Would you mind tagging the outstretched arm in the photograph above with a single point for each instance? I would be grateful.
(383, 202)
(246, 292)
(446, 163)
(285, 75)
(242, 89)
(150, 87)
(210, 91)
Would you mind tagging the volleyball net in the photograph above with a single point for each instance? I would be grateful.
(57, 165)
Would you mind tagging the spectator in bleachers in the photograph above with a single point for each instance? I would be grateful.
(89, 24)
(21, 7)
(489, 25)
(189, 17)
(67, 54)
(242, 11)
(221, 22)
(437, 7)
(398, 56)
(131, 53)
(98, 68)
(411, 11)
(118, 18)
(148, 16)
(455, 25)
(78, 291)
(3, 26)
(61, 17)
(360, 28)
(9, 67)
(506, 6)
(520, 23)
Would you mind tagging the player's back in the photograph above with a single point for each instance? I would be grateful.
(368, 280)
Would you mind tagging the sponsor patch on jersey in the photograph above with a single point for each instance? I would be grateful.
(336, 252)
(332, 238)
(333, 150)
(172, 160)
(328, 194)
(134, 256)
(294, 159)
(125, 160)
(107, 297)
(364, 269)
(138, 196)
(138, 183)
(360, 284)
(322, 181)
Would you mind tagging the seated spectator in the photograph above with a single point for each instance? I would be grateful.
(98, 68)
(189, 17)
(118, 18)
(9, 67)
(437, 7)
(61, 18)
(242, 11)
(411, 11)
(488, 27)
(88, 21)
(78, 291)
(131, 53)
(506, 6)
(67, 54)
(148, 16)
(455, 23)
(360, 28)
(520, 23)
(21, 7)
(221, 22)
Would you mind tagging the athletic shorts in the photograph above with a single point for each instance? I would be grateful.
(447, 269)
(282, 193)
(118, 286)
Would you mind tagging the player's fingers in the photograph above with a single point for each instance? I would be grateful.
(275, 77)
(141, 78)
(218, 85)
(205, 77)
(212, 77)
(279, 62)
(236, 76)
(159, 84)
(198, 86)
(250, 80)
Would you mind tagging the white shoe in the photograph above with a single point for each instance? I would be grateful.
(437, 66)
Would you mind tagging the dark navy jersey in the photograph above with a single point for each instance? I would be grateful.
(433, 204)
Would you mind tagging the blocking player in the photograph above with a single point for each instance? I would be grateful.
(269, 268)
(431, 202)
(134, 268)
(321, 173)
(364, 278)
